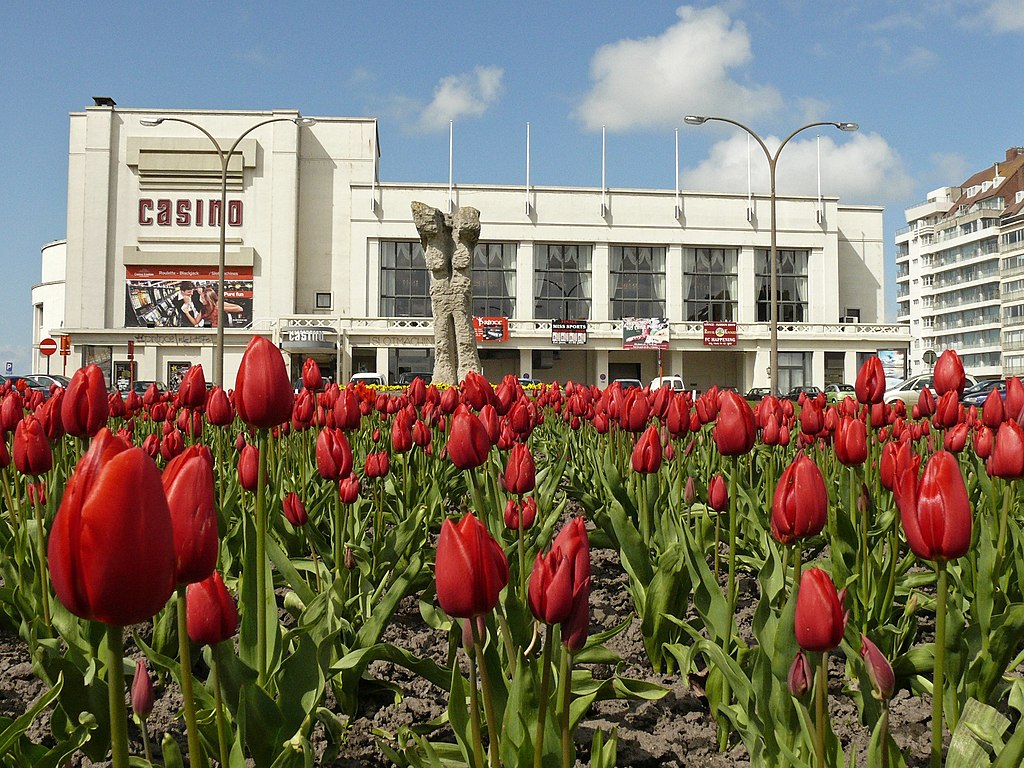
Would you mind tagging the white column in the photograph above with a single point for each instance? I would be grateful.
(524, 283)
(601, 307)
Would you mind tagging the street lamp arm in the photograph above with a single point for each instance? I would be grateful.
(206, 133)
(802, 128)
(760, 142)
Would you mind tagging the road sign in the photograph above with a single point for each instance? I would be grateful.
(9, 368)
(65, 345)
(47, 347)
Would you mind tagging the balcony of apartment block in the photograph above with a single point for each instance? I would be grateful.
(903, 312)
(1013, 346)
(902, 272)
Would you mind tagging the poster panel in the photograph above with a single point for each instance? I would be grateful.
(894, 364)
(490, 329)
(645, 333)
(568, 331)
(185, 297)
(176, 371)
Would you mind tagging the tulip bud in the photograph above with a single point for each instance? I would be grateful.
(690, 490)
(647, 455)
(263, 391)
(949, 374)
(468, 443)
(348, 489)
(883, 680)
(1007, 457)
(192, 390)
(311, 377)
(718, 494)
(801, 677)
(735, 430)
(350, 559)
(189, 486)
(218, 408)
(470, 568)
(249, 467)
(210, 611)
(85, 409)
(333, 454)
(936, 511)
(800, 503)
(142, 691)
(32, 454)
(870, 386)
(294, 510)
(520, 471)
(820, 621)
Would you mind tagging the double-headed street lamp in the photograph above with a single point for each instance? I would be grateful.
(774, 257)
(225, 157)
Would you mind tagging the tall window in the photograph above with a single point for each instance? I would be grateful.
(709, 283)
(561, 282)
(792, 293)
(404, 280)
(637, 281)
(494, 279)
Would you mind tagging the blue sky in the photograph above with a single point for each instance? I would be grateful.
(931, 83)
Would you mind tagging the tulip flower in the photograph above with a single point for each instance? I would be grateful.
(1007, 457)
(263, 391)
(956, 437)
(851, 442)
(172, 444)
(880, 672)
(801, 677)
(11, 411)
(348, 489)
(111, 548)
(718, 494)
(949, 374)
(646, 457)
(32, 454)
(333, 454)
(476, 391)
(800, 503)
(820, 621)
(248, 467)
(925, 403)
(294, 510)
(520, 515)
(870, 385)
(470, 568)
(992, 412)
(520, 471)
(192, 390)
(735, 430)
(1013, 402)
(85, 409)
(468, 443)
(142, 691)
(212, 615)
(377, 464)
(560, 584)
(218, 408)
(188, 484)
(311, 377)
(935, 510)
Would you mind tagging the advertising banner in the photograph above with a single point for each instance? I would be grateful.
(719, 334)
(894, 364)
(645, 333)
(490, 329)
(185, 297)
(568, 331)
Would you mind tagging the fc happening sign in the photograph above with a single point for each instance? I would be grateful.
(719, 334)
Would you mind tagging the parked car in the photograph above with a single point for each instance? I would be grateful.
(370, 379)
(627, 383)
(807, 391)
(836, 393)
(405, 379)
(908, 391)
(140, 386)
(529, 381)
(24, 383)
(757, 393)
(978, 394)
(46, 379)
(673, 382)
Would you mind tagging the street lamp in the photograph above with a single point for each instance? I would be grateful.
(774, 257)
(225, 157)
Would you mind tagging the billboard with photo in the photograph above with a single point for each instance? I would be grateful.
(894, 364)
(645, 333)
(185, 297)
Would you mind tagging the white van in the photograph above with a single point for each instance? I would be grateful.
(673, 382)
(371, 379)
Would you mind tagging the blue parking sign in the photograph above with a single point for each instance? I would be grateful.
(9, 367)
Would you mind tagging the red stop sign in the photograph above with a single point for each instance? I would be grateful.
(47, 347)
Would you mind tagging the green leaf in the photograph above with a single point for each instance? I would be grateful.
(17, 728)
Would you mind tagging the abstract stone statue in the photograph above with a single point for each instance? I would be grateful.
(448, 243)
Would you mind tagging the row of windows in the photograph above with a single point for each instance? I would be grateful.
(562, 283)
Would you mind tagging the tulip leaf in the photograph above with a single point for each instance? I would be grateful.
(666, 596)
(291, 575)
(14, 729)
(978, 734)
(259, 723)
(171, 752)
(300, 683)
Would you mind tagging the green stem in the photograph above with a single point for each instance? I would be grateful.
(522, 559)
(884, 725)
(797, 566)
(316, 560)
(261, 561)
(718, 542)
(545, 685)
(820, 691)
(865, 552)
(506, 639)
(733, 532)
(485, 688)
(44, 585)
(147, 748)
(339, 535)
(1001, 545)
(195, 747)
(482, 509)
(115, 691)
(222, 725)
(565, 681)
(642, 511)
(474, 709)
(938, 686)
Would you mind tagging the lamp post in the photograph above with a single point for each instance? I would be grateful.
(225, 158)
(774, 256)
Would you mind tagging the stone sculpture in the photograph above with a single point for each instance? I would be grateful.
(448, 243)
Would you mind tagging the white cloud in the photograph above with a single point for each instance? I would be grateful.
(949, 169)
(458, 96)
(859, 169)
(687, 69)
(1005, 15)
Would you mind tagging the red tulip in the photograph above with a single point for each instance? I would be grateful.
(984, 440)
(192, 390)
(348, 489)
(735, 430)
(880, 671)
(11, 411)
(294, 510)
(142, 691)
(188, 484)
(249, 467)
(925, 403)
(851, 442)
(520, 471)
(211, 615)
(32, 454)
(635, 412)
(870, 386)
(1013, 402)
(935, 510)
(84, 408)
(1007, 457)
(948, 410)
(820, 621)
(801, 676)
(520, 514)
(401, 432)
(468, 443)
(560, 581)
(718, 494)
(992, 412)
(111, 549)
(800, 503)
(347, 413)
(956, 437)
(476, 391)
(646, 457)
(218, 408)
(172, 444)
(333, 454)
(377, 464)
(949, 374)
(470, 566)
(5, 456)
(49, 416)
(311, 377)
(263, 391)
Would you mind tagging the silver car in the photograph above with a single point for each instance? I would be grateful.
(910, 390)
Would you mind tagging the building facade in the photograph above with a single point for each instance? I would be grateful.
(569, 283)
(960, 272)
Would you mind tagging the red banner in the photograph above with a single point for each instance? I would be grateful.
(490, 329)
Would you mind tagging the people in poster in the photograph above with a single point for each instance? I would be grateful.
(172, 297)
(208, 299)
(187, 306)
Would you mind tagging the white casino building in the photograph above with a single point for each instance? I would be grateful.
(324, 259)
